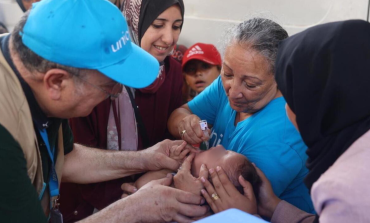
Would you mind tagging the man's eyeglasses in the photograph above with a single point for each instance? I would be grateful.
(116, 89)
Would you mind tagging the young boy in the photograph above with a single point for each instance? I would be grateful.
(201, 64)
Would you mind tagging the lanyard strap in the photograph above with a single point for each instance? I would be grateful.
(117, 120)
(140, 124)
(53, 179)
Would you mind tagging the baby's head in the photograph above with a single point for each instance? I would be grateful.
(234, 164)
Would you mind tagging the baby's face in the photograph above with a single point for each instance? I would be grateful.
(216, 156)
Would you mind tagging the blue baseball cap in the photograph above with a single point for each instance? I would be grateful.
(89, 34)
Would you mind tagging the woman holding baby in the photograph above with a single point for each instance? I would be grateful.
(247, 111)
(323, 72)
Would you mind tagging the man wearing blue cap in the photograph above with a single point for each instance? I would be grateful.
(62, 59)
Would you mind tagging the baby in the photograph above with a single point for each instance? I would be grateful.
(234, 165)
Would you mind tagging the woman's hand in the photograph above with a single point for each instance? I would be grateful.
(268, 201)
(190, 131)
(183, 180)
(224, 195)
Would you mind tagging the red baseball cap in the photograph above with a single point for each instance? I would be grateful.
(203, 52)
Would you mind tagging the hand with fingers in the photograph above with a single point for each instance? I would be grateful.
(223, 195)
(157, 202)
(128, 189)
(190, 130)
(185, 181)
(268, 201)
(179, 153)
(158, 156)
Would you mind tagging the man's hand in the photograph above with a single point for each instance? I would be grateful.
(224, 195)
(156, 202)
(158, 156)
(190, 131)
(183, 180)
(179, 153)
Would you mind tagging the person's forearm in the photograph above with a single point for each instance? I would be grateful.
(151, 175)
(175, 119)
(286, 212)
(123, 210)
(88, 165)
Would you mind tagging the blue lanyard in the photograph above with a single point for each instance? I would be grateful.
(53, 179)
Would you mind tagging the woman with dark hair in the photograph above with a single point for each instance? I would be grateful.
(156, 27)
(247, 111)
(323, 73)
(137, 119)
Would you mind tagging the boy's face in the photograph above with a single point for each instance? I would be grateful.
(199, 75)
(217, 156)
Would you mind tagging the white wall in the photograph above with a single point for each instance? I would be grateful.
(10, 13)
(206, 20)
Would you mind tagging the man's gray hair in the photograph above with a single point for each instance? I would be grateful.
(262, 35)
(31, 60)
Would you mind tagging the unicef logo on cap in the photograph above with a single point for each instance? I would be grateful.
(121, 42)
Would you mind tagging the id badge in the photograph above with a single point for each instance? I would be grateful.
(56, 216)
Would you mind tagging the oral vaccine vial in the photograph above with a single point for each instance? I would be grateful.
(204, 126)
